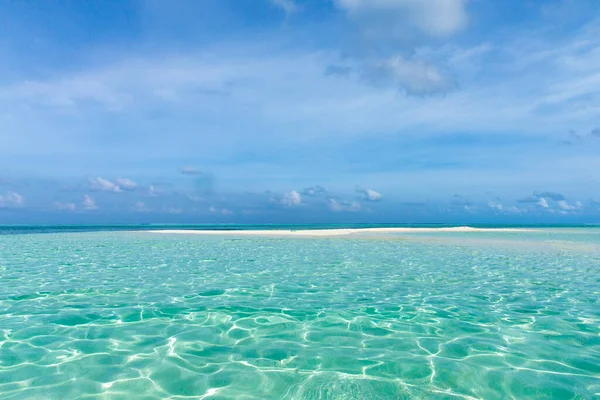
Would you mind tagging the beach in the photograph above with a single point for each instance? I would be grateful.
(332, 232)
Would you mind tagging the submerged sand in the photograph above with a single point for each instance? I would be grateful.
(334, 232)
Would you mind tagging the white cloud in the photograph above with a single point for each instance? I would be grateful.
(436, 18)
(292, 198)
(89, 203)
(289, 6)
(323, 106)
(397, 29)
(222, 211)
(505, 209)
(563, 205)
(369, 194)
(11, 199)
(127, 184)
(104, 185)
(153, 191)
(470, 209)
(65, 206)
(495, 206)
(314, 191)
(542, 203)
(339, 206)
(312, 106)
(140, 207)
(416, 77)
(174, 210)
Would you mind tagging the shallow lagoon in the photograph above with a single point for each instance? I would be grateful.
(435, 315)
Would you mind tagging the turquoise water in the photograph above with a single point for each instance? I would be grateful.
(122, 315)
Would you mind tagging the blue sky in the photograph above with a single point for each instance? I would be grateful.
(300, 111)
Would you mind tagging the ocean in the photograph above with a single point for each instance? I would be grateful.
(112, 313)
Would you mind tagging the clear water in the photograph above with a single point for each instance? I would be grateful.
(125, 315)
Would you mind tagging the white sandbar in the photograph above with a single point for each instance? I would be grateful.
(334, 232)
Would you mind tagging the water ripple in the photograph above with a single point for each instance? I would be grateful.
(122, 315)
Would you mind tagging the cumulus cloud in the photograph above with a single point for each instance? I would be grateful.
(389, 32)
(104, 185)
(369, 194)
(343, 205)
(187, 170)
(64, 206)
(288, 6)
(11, 199)
(89, 203)
(314, 191)
(126, 184)
(543, 203)
(292, 198)
(564, 206)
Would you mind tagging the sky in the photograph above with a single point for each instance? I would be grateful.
(300, 111)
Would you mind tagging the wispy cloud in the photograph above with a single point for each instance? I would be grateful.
(543, 203)
(126, 184)
(292, 198)
(316, 190)
(393, 29)
(221, 211)
(369, 194)
(343, 205)
(550, 195)
(89, 203)
(434, 18)
(501, 208)
(301, 110)
(11, 199)
(565, 206)
(104, 185)
(288, 6)
(65, 206)
(495, 206)
(153, 191)
(141, 207)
